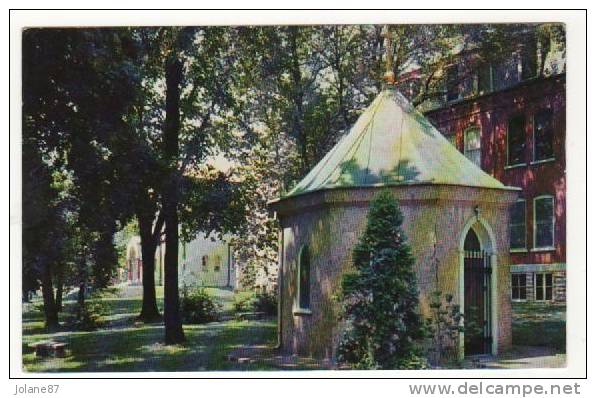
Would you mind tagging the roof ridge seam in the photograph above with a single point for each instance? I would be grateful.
(401, 145)
(370, 142)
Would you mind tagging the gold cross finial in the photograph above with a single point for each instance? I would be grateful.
(388, 76)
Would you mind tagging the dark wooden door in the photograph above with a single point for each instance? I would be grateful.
(475, 303)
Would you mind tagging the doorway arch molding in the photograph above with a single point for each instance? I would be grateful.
(488, 243)
(483, 230)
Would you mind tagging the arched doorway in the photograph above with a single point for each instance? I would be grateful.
(477, 296)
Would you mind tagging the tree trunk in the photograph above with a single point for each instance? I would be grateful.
(149, 310)
(81, 295)
(49, 302)
(26, 296)
(59, 291)
(82, 280)
(343, 112)
(173, 322)
(298, 98)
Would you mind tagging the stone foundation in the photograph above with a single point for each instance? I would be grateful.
(559, 280)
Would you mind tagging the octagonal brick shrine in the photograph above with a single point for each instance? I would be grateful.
(455, 218)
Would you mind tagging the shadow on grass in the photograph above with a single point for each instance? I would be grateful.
(124, 344)
(140, 348)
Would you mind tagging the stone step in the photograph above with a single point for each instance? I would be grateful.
(246, 316)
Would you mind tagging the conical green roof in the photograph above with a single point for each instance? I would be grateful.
(393, 144)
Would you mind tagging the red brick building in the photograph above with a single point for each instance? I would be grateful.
(516, 133)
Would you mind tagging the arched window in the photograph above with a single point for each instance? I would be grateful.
(304, 278)
(204, 262)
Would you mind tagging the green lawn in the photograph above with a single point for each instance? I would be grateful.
(536, 324)
(123, 344)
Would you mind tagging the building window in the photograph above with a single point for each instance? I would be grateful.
(517, 225)
(452, 83)
(516, 141)
(506, 73)
(543, 135)
(217, 266)
(485, 83)
(204, 261)
(467, 82)
(304, 278)
(518, 286)
(452, 139)
(544, 222)
(472, 145)
(412, 87)
(543, 286)
(529, 59)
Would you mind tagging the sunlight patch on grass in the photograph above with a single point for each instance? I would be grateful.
(120, 361)
(37, 365)
(160, 348)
